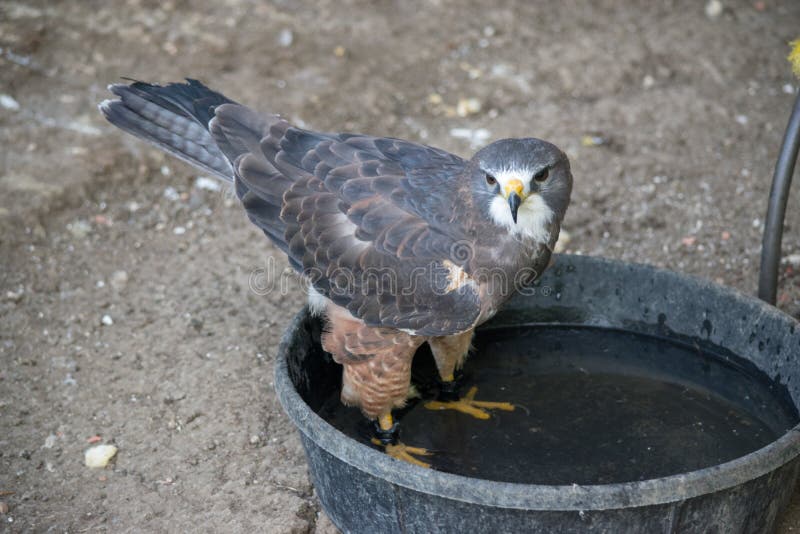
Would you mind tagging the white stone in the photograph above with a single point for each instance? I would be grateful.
(171, 194)
(476, 137)
(285, 38)
(8, 102)
(714, 9)
(468, 106)
(793, 260)
(99, 455)
(209, 184)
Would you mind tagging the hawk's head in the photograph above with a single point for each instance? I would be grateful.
(522, 185)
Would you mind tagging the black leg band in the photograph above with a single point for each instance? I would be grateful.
(449, 391)
(387, 437)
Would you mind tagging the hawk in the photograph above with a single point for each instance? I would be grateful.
(401, 243)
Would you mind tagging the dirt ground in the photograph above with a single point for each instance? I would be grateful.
(132, 306)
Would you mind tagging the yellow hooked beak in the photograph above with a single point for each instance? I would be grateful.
(513, 191)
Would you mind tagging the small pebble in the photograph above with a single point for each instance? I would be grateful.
(102, 220)
(209, 184)
(648, 82)
(170, 193)
(79, 229)
(15, 296)
(179, 230)
(742, 119)
(714, 9)
(593, 140)
(119, 280)
(339, 51)
(9, 103)
(473, 72)
(99, 456)
(793, 260)
(788, 89)
(475, 137)
(285, 38)
(174, 395)
(107, 320)
(468, 106)
(170, 48)
(254, 440)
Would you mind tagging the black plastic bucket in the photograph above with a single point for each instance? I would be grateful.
(363, 490)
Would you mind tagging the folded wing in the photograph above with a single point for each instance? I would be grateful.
(372, 222)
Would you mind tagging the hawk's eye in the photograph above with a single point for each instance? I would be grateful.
(491, 180)
(542, 175)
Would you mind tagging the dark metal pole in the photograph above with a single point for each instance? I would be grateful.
(776, 211)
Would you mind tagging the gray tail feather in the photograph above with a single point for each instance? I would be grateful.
(173, 117)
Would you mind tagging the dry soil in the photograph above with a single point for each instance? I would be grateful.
(133, 306)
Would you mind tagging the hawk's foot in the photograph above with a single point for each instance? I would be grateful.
(404, 452)
(468, 405)
(386, 432)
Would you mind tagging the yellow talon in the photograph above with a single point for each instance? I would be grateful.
(404, 452)
(468, 405)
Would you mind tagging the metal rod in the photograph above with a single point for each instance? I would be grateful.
(776, 210)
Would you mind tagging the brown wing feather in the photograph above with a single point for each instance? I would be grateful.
(372, 235)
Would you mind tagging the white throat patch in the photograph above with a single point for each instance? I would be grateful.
(533, 215)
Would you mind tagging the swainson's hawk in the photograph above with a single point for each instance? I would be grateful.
(401, 243)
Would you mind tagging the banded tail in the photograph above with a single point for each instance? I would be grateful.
(175, 118)
(212, 132)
